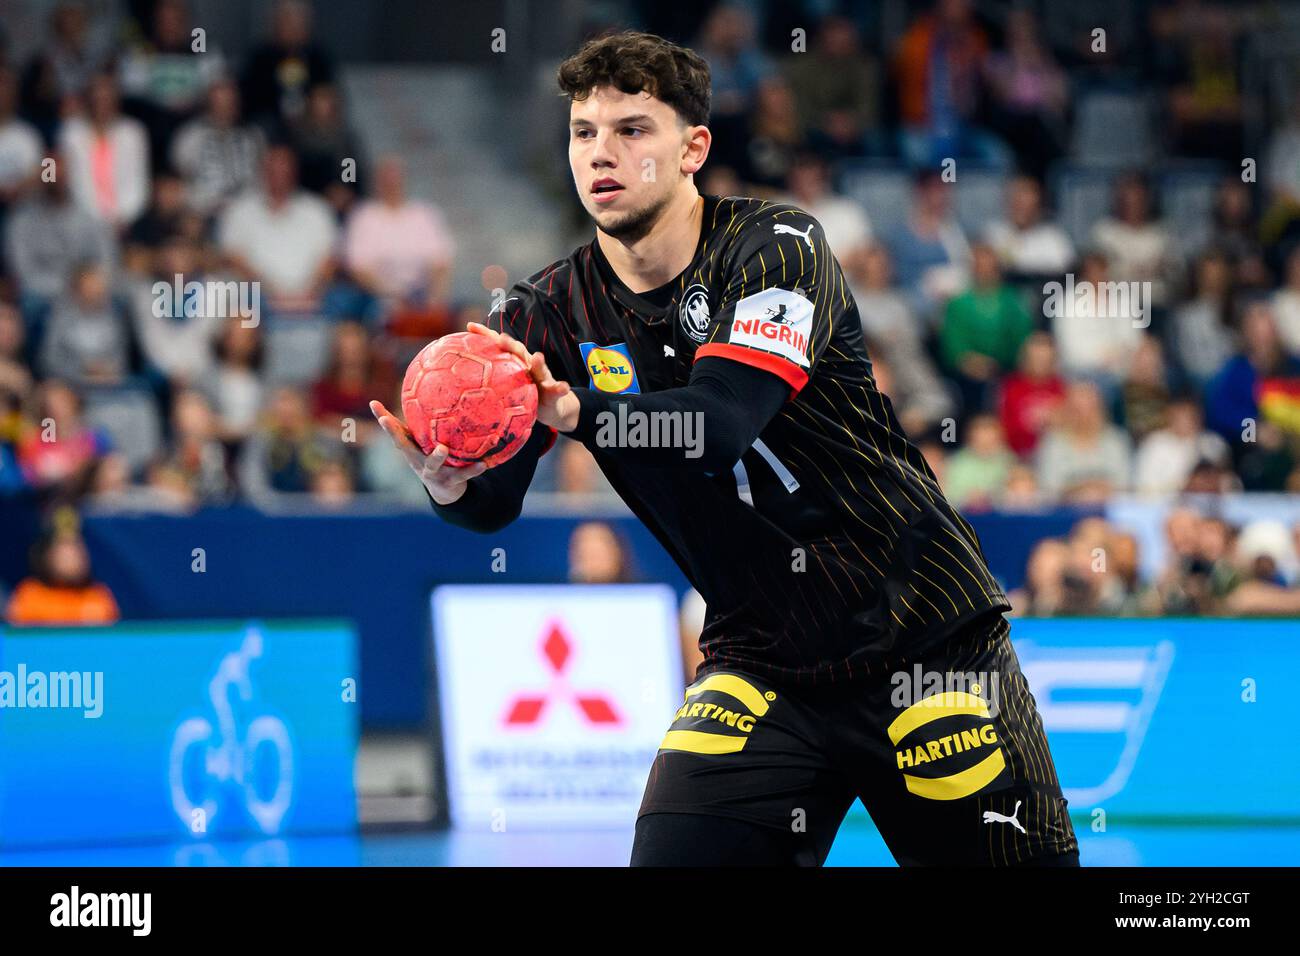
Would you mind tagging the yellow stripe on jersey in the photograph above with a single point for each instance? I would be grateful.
(958, 785)
(698, 742)
(733, 686)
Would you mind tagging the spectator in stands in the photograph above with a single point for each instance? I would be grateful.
(1137, 246)
(1232, 396)
(978, 471)
(737, 64)
(112, 489)
(281, 236)
(21, 148)
(354, 376)
(836, 89)
(1097, 331)
(15, 389)
(217, 153)
(1102, 567)
(399, 249)
(1166, 457)
(1144, 394)
(1264, 592)
(938, 65)
(332, 486)
(195, 451)
(285, 67)
(15, 376)
(1234, 231)
(1280, 226)
(772, 138)
(60, 590)
(164, 77)
(1030, 394)
(178, 337)
(106, 156)
(325, 143)
(983, 330)
(167, 217)
(598, 555)
(46, 238)
(88, 340)
(1200, 332)
(61, 68)
(234, 386)
(1021, 492)
(930, 253)
(1205, 103)
(843, 221)
(1043, 593)
(1027, 244)
(59, 452)
(894, 340)
(1028, 93)
(282, 456)
(1286, 305)
(1200, 572)
(1083, 458)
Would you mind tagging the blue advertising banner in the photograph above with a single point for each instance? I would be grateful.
(1189, 720)
(177, 731)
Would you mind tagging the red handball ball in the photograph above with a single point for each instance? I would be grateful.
(466, 392)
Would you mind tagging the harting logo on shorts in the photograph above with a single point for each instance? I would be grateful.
(956, 758)
(722, 723)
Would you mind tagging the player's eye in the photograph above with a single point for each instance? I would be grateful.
(582, 134)
(633, 131)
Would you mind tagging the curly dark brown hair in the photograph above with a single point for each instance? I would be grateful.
(635, 62)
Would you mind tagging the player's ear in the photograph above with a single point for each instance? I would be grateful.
(695, 148)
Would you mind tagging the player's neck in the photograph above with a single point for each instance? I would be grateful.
(664, 252)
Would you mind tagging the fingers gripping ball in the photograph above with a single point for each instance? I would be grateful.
(466, 392)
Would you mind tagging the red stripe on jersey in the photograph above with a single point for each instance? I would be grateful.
(784, 369)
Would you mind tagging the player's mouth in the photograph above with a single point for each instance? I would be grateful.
(605, 190)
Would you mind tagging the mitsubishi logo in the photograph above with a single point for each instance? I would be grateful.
(557, 651)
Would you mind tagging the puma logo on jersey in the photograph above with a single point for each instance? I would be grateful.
(992, 816)
(783, 230)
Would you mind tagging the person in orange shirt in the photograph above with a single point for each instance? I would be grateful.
(60, 589)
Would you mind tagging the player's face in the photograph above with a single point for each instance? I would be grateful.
(626, 151)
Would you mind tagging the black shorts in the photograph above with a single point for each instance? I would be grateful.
(945, 750)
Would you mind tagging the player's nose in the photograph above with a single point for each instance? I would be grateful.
(602, 153)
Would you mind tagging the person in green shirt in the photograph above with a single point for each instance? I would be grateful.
(983, 329)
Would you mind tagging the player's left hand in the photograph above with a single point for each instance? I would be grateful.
(557, 406)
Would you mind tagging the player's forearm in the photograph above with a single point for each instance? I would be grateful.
(707, 424)
(495, 498)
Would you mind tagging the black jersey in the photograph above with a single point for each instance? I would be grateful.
(829, 544)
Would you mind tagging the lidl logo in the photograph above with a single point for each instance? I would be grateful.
(609, 368)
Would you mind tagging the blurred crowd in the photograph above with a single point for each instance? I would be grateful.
(1212, 566)
(130, 156)
(140, 175)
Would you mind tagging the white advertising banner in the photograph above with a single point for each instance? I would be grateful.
(553, 700)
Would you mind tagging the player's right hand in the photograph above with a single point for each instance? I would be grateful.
(446, 483)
